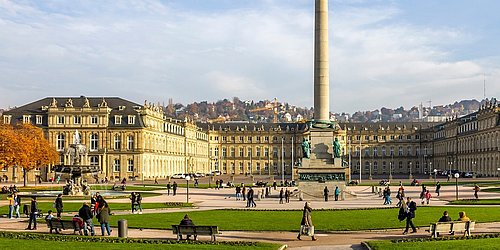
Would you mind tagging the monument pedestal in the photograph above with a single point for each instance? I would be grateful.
(322, 169)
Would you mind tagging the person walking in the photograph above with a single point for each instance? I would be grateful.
(174, 188)
(476, 190)
(33, 214)
(58, 205)
(17, 204)
(238, 193)
(411, 206)
(337, 193)
(287, 196)
(244, 192)
(438, 188)
(156, 180)
(428, 196)
(325, 193)
(133, 202)
(138, 198)
(306, 225)
(250, 197)
(281, 196)
(168, 188)
(103, 219)
(10, 198)
(86, 216)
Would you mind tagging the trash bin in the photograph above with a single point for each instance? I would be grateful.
(27, 209)
(122, 229)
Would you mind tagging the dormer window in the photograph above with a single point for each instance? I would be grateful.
(39, 119)
(118, 119)
(26, 118)
(6, 119)
(131, 119)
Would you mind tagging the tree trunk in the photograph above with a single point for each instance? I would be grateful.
(25, 177)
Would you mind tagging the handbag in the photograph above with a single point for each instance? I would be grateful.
(307, 230)
(54, 205)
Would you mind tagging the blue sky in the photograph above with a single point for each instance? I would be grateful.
(383, 53)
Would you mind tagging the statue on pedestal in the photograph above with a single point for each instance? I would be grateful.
(306, 149)
(336, 148)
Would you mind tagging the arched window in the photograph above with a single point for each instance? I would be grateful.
(130, 142)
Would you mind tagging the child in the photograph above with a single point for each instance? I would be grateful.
(428, 196)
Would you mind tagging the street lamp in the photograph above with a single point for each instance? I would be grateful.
(474, 168)
(456, 185)
(187, 188)
(390, 170)
(435, 176)
(410, 176)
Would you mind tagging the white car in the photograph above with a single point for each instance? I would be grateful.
(178, 176)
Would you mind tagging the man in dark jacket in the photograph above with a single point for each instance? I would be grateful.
(445, 217)
(325, 193)
(174, 188)
(33, 214)
(86, 216)
(186, 222)
(59, 205)
(410, 214)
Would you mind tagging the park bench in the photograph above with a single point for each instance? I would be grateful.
(179, 230)
(452, 226)
(55, 224)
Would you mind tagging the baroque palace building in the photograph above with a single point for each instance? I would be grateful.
(133, 141)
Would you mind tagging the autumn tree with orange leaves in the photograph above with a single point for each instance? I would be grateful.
(25, 146)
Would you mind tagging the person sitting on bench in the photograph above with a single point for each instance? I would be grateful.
(186, 222)
(445, 217)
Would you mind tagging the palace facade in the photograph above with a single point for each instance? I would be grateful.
(133, 141)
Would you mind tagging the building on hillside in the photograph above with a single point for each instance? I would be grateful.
(125, 139)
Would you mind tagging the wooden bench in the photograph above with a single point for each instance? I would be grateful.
(212, 231)
(55, 224)
(452, 226)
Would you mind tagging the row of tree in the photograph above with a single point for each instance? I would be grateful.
(26, 147)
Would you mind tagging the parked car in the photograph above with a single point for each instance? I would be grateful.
(214, 173)
(178, 176)
(468, 174)
(198, 175)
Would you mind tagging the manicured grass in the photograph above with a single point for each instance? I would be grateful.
(441, 245)
(324, 220)
(59, 242)
(129, 188)
(125, 195)
(476, 202)
(491, 190)
(75, 206)
(443, 182)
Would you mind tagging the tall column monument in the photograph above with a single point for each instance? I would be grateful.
(322, 164)
(321, 63)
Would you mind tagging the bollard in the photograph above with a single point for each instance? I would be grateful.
(122, 229)
(373, 189)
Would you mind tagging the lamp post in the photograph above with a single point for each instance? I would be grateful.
(390, 170)
(187, 188)
(435, 176)
(474, 162)
(456, 185)
(410, 176)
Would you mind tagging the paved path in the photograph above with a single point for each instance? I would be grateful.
(209, 199)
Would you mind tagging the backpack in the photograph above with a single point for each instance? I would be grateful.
(401, 214)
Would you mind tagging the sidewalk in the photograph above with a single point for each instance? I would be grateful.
(333, 240)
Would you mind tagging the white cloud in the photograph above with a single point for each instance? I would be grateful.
(148, 50)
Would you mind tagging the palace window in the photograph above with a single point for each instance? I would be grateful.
(258, 167)
(39, 119)
(232, 152)
(60, 142)
(250, 139)
(266, 167)
(383, 151)
(400, 152)
(118, 142)
(216, 151)
(241, 167)
(249, 167)
(258, 151)
(131, 119)
(60, 119)
(375, 166)
(266, 152)
(242, 152)
(130, 142)
(241, 138)
(249, 152)
(266, 138)
(94, 161)
(375, 151)
(94, 142)
(93, 119)
(77, 119)
(116, 165)
(26, 118)
(130, 165)
(224, 152)
(118, 119)
(275, 152)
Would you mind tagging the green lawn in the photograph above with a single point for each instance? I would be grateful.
(441, 244)
(75, 206)
(476, 202)
(129, 188)
(324, 220)
(492, 190)
(65, 242)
